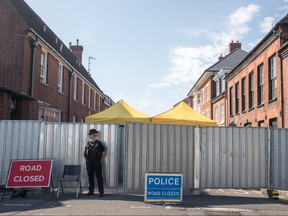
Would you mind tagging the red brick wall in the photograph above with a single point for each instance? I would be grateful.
(270, 109)
(207, 104)
(12, 36)
(5, 100)
(15, 69)
(285, 90)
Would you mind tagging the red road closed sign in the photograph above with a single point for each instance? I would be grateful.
(29, 173)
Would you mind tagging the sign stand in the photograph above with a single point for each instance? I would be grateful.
(30, 174)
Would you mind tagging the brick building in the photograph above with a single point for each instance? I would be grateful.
(40, 77)
(208, 95)
(257, 87)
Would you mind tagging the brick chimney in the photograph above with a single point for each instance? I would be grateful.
(234, 45)
(77, 50)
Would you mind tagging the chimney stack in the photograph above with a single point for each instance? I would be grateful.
(77, 50)
(234, 45)
(220, 57)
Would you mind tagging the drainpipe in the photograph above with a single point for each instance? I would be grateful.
(33, 44)
(282, 97)
(281, 81)
(69, 94)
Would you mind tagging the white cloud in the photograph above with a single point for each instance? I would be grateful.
(266, 24)
(188, 63)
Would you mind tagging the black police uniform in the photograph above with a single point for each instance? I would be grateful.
(93, 152)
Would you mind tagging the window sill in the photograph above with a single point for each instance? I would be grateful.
(243, 111)
(237, 114)
(62, 93)
(272, 100)
(44, 83)
(260, 105)
(75, 100)
(250, 109)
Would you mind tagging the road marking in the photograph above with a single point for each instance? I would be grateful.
(140, 207)
(221, 190)
(240, 191)
(17, 204)
(221, 209)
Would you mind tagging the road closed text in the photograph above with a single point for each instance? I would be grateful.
(27, 169)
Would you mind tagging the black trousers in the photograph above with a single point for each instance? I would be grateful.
(95, 166)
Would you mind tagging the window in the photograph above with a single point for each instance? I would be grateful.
(203, 99)
(60, 78)
(273, 123)
(231, 100)
(207, 93)
(260, 77)
(43, 73)
(272, 78)
(216, 115)
(89, 98)
(207, 113)
(222, 113)
(95, 101)
(198, 99)
(49, 114)
(248, 124)
(223, 85)
(83, 92)
(237, 98)
(251, 90)
(75, 88)
(217, 87)
(243, 94)
(261, 123)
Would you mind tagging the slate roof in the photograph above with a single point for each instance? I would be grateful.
(39, 26)
(229, 61)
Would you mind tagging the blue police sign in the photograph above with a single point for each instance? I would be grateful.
(163, 187)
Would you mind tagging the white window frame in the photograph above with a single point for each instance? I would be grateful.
(222, 113)
(218, 87)
(89, 98)
(207, 113)
(83, 92)
(60, 78)
(43, 72)
(75, 88)
(216, 114)
(207, 93)
(49, 114)
(94, 101)
(272, 74)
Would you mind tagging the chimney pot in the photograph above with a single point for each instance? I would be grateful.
(77, 50)
(232, 46)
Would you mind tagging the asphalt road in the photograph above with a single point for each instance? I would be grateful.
(206, 202)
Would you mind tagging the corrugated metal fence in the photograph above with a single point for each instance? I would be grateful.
(208, 157)
(158, 148)
(62, 142)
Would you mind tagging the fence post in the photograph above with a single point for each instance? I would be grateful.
(197, 158)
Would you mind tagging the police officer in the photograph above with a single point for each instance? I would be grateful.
(94, 152)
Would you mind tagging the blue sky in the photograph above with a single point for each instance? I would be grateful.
(151, 52)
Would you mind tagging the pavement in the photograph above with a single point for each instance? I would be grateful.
(205, 202)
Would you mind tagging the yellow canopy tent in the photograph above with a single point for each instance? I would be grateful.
(118, 114)
(182, 114)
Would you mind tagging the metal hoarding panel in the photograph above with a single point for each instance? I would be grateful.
(158, 148)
